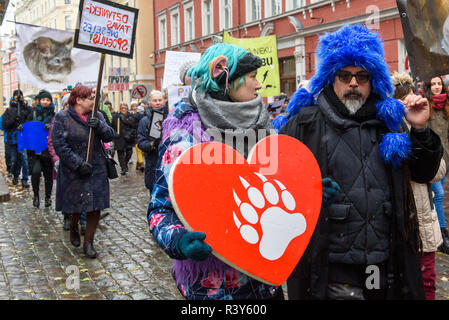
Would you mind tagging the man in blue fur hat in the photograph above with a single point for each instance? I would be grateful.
(366, 244)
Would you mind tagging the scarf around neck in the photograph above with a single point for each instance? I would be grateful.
(439, 101)
(234, 121)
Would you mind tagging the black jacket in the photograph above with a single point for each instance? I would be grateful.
(128, 131)
(15, 115)
(369, 222)
(149, 146)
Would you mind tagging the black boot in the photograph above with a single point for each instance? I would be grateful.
(36, 202)
(75, 239)
(444, 247)
(92, 219)
(89, 250)
(47, 202)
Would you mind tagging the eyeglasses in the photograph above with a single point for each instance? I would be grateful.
(346, 76)
(91, 98)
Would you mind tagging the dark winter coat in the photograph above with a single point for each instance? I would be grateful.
(353, 231)
(149, 146)
(70, 135)
(128, 131)
(12, 117)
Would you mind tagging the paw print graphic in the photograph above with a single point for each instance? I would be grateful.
(278, 226)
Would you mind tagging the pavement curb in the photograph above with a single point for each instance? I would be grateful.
(4, 190)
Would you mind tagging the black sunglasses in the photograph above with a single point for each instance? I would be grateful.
(346, 76)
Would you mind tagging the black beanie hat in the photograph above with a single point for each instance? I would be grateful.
(248, 63)
(45, 94)
(17, 92)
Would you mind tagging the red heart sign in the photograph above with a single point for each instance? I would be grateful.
(258, 216)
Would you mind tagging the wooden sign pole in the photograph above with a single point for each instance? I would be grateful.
(95, 109)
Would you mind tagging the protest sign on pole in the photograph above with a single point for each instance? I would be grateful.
(173, 61)
(109, 28)
(426, 32)
(106, 27)
(47, 60)
(118, 79)
(266, 49)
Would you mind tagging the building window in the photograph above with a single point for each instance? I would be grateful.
(189, 21)
(208, 17)
(287, 72)
(226, 14)
(273, 7)
(67, 1)
(162, 32)
(68, 22)
(253, 10)
(294, 4)
(174, 25)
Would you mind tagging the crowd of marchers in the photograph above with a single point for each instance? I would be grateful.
(381, 142)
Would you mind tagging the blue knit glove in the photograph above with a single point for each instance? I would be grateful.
(192, 245)
(330, 191)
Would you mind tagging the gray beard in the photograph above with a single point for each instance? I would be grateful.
(353, 105)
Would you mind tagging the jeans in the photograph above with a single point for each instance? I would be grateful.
(24, 166)
(15, 159)
(438, 190)
(8, 151)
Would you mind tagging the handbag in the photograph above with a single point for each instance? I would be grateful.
(110, 165)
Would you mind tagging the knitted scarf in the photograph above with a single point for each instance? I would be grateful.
(439, 101)
(232, 121)
(45, 114)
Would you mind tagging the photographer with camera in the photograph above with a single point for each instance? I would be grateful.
(14, 117)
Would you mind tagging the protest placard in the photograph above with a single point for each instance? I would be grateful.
(173, 61)
(266, 49)
(118, 79)
(106, 27)
(47, 60)
(176, 93)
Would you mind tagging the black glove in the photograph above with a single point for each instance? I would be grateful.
(94, 123)
(47, 126)
(19, 127)
(85, 169)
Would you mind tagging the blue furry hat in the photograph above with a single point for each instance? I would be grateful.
(355, 45)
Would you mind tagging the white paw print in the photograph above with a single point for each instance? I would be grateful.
(279, 227)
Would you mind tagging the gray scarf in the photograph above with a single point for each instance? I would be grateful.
(238, 124)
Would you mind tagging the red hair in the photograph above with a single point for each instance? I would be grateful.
(79, 91)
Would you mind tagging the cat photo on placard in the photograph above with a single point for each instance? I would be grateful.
(47, 59)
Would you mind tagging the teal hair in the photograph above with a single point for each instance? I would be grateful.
(201, 69)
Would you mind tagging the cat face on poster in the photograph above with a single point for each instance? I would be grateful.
(48, 59)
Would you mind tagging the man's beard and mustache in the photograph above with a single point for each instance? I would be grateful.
(353, 100)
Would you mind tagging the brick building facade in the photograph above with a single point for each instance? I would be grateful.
(193, 25)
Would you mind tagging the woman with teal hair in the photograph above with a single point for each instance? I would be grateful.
(225, 102)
